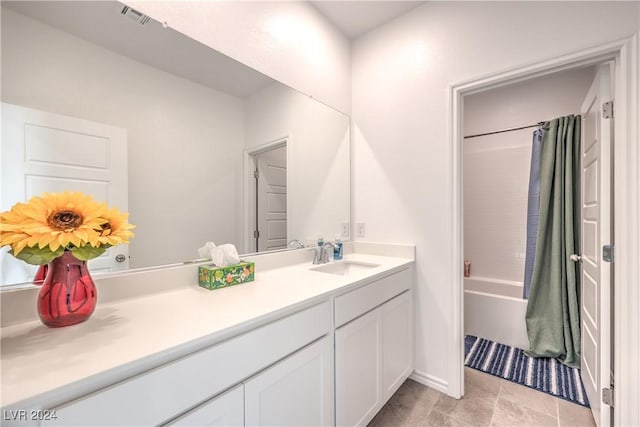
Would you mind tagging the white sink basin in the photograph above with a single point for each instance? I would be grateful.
(342, 268)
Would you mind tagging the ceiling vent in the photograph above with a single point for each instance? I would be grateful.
(134, 15)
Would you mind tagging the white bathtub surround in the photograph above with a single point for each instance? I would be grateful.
(496, 317)
(494, 309)
(44, 367)
(496, 171)
(507, 288)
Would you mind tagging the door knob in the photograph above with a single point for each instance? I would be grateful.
(575, 258)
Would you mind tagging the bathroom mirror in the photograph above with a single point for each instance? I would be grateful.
(197, 124)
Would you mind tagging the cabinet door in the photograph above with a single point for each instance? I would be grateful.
(358, 367)
(297, 391)
(224, 410)
(397, 342)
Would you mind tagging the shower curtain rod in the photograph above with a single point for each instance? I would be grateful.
(503, 130)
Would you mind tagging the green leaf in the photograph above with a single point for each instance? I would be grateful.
(88, 252)
(37, 256)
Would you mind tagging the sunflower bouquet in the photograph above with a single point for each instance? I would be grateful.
(46, 226)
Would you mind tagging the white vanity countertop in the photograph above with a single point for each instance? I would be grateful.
(126, 338)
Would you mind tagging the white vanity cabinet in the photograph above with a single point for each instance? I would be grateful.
(168, 392)
(333, 354)
(374, 346)
(397, 342)
(358, 369)
(297, 391)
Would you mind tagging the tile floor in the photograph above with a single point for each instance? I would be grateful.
(488, 401)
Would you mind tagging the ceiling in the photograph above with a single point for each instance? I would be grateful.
(354, 18)
(102, 23)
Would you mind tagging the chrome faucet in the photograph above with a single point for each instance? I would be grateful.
(322, 253)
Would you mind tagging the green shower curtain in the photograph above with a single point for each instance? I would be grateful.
(553, 310)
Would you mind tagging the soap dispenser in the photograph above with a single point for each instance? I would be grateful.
(337, 248)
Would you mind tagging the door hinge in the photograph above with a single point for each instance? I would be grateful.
(607, 110)
(607, 396)
(256, 174)
(607, 253)
(256, 234)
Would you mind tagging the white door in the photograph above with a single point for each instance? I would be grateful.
(596, 225)
(46, 152)
(358, 368)
(271, 187)
(298, 391)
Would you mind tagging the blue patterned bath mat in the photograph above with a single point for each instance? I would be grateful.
(543, 374)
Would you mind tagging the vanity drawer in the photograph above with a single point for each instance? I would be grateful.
(167, 391)
(357, 302)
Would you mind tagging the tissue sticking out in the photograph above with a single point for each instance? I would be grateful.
(222, 255)
(227, 269)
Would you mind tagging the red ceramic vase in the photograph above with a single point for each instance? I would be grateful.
(41, 274)
(68, 294)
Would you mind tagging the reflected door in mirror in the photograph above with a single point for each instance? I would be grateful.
(270, 191)
(46, 152)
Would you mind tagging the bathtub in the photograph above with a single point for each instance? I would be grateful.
(494, 309)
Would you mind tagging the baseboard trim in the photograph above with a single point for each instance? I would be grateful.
(430, 381)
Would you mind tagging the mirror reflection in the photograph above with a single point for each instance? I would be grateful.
(194, 145)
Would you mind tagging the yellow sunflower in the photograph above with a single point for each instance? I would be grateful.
(115, 230)
(41, 229)
(52, 221)
(10, 230)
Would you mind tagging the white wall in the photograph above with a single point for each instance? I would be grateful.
(288, 41)
(179, 133)
(496, 167)
(318, 157)
(402, 165)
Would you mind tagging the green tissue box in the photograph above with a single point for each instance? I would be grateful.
(213, 277)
